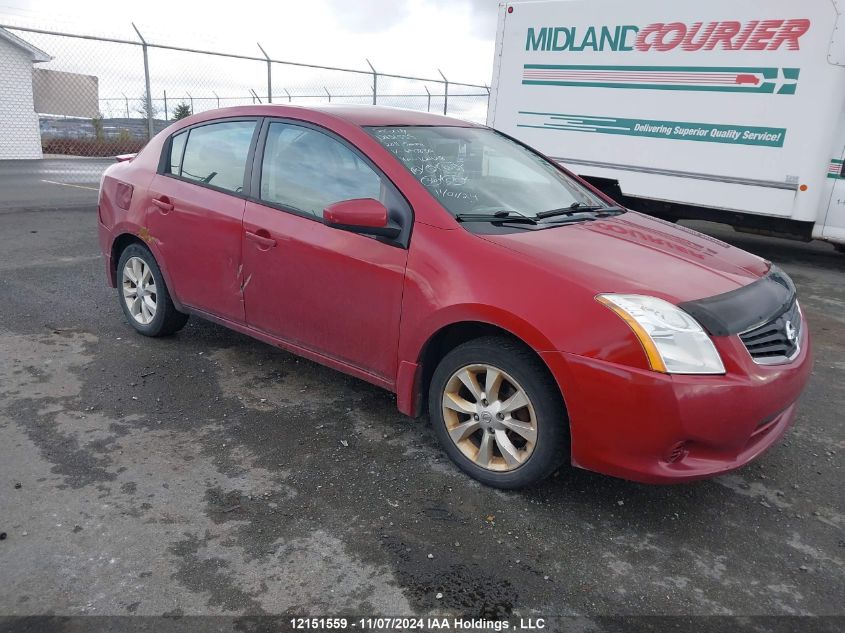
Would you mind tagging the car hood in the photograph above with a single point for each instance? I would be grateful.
(633, 253)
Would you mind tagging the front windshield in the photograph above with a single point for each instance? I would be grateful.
(479, 171)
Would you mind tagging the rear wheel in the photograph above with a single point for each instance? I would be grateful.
(143, 295)
(498, 413)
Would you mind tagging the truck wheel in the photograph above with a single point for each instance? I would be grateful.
(143, 295)
(498, 413)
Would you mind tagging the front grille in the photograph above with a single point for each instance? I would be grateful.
(770, 343)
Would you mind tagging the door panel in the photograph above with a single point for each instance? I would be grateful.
(334, 292)
(195, 214)
(200, 239)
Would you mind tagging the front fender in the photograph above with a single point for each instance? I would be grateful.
(414, 342)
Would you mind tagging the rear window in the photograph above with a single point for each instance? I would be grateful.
(216, 154)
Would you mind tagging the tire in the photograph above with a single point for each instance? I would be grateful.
(164, 318)
(840, 248)
(519, 370)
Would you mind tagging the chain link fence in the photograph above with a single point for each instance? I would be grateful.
(72, 95)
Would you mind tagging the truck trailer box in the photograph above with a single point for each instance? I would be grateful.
(724, 110)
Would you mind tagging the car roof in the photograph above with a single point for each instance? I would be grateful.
(386, 115)
(360, 115)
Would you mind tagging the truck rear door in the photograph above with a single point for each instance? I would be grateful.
(834, 223)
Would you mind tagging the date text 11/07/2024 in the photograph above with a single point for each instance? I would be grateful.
(422, 624)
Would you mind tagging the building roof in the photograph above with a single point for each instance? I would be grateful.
(35, 53)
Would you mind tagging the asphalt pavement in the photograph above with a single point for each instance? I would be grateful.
(208, 473)
(50, 183)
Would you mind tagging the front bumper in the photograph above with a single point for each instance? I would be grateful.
(656, 428)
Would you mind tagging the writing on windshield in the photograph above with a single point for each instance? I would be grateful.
(477, 170)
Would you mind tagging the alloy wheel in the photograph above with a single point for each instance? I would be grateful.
(139, 290)
(489, 417)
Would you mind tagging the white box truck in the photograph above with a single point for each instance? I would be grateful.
(722, 110)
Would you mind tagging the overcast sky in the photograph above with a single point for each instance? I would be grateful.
(401, 36)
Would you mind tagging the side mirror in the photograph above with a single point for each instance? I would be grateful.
(362, 215)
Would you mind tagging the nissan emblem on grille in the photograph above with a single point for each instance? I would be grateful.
(777, 340)
(791, 332)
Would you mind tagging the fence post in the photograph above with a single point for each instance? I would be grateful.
(375, 82)
(290, 99)
(192, 101)
(488, 95)
(269, 75)
(218, 99)
(328, 93)
(126, 100)
(428, 106)
(165, 106)
(445, 92)
(148, 95)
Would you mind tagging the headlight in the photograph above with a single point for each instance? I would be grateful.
(673, 341)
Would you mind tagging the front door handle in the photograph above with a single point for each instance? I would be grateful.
(164, 204)
(262, 238)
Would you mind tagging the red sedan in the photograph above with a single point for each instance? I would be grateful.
(534, 319)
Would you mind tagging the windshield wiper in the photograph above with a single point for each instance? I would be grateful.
(576, 208)
(498, 216)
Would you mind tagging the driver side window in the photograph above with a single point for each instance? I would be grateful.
(307, 170)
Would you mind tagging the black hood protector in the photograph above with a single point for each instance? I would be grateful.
(742, 309)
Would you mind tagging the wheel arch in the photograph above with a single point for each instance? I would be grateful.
(121, 243)
(449, 336)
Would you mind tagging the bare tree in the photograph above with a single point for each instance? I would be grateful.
(141, 108)
(99, 131)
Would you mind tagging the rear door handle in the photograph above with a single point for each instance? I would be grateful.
(164, 204)
(262, 238)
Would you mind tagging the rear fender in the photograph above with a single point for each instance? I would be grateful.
(142, 235)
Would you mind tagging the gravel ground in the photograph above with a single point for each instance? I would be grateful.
(210, 474)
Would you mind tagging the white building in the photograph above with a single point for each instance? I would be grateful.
(19, 133)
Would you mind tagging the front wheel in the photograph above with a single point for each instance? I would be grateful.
(143, 295)
(498, 413)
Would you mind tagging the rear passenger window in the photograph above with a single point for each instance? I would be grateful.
(216, 154)
(307, 170)
(177, 146)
